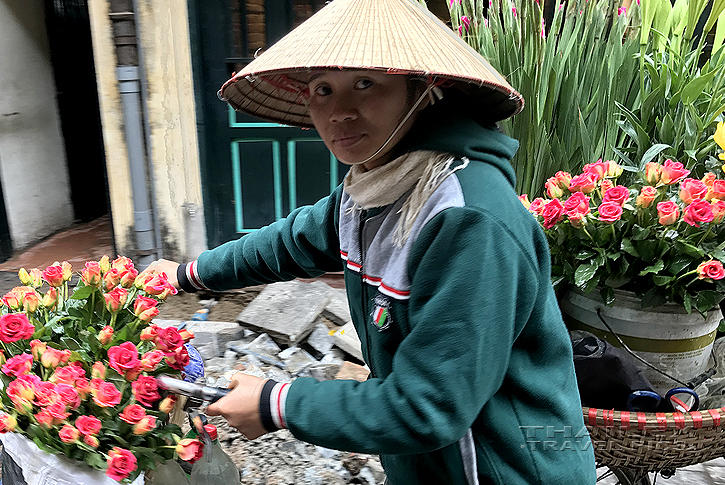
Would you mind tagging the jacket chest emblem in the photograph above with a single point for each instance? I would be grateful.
(381, 318)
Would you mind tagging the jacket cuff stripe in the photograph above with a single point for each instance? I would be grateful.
(193, 274)
(278, 400)
(265, 406)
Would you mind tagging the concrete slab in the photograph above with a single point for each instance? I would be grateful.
(346, 338)
(286, 311)
(337, 310)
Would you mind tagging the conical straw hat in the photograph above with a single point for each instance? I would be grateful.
(396, 36)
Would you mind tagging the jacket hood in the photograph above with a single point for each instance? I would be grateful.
(442, 128)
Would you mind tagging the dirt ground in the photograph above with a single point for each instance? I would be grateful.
(229, 304)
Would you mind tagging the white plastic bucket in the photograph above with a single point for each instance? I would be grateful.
(666, 336)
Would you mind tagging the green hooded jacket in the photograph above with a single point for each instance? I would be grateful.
(472, 376)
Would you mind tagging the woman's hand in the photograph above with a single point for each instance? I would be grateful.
(241, 406)
(166, 266)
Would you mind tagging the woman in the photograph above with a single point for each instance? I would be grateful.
(447, 274)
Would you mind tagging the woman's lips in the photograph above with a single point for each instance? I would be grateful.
(345, 141)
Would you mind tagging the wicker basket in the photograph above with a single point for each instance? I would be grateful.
(651, 442)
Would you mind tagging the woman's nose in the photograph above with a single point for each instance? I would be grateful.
(343, 110)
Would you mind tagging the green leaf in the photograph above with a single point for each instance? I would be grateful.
(653, 151)
(82, 293)
(706, 300)
(584, 273)
(95, 460)
(660, 280)
(689, 249)
(695, 88)
(628, 247)
(652, 298)
(655, 268)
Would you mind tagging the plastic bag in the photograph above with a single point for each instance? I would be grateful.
(41, 468)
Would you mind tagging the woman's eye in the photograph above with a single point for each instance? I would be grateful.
(363, 84)
(322, 90)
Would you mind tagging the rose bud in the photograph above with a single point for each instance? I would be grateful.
(146, 424)
(67, 270)
(104, 263)
(50, 299)
(31, 302)
(105, 335)
(37, 348)
(168, 403)
(111, 279)
(128, 277)
(115, 299)
(98, 371)
(91, 441)
(25, 277)
(91, 274)
(186, 335)
(190, 449)
(150, 333)
(7, 423)
(44, 419)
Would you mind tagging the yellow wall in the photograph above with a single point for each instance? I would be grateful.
(164, 39)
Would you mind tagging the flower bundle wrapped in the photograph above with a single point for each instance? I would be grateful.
(78, 367)
(661, 238)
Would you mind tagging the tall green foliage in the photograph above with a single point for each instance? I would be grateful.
(602, 83)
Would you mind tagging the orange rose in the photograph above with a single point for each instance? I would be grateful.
(190, 449)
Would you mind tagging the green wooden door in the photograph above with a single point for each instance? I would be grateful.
(253, 172)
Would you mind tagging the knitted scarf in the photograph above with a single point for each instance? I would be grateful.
(421, 170)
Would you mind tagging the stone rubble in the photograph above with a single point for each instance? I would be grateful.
(279, 458)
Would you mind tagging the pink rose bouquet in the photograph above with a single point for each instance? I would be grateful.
(661, 237)
(78, 366)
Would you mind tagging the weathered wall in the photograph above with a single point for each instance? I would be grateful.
(164, 46)
(119, 178)
(33, 169)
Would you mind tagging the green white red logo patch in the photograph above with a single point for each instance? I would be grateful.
(381, 317)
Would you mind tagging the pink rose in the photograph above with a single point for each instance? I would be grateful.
(145, 308)
(698, 212)
(668, 212)
(178, 359)
(53, 275)
(692, 189)
(88, 425)
(711, 270)
(91, 440)
(128, 277)
(45, 394)
(31, 302)
(124, 359)
(146, 390)
(151, 360)
(598, 168)
(552, 213)
(68, 396)
(67, 375)
(50, 299)
(618, 194)
(69, 434)
(58, 411)
(107, 395)
(122, 264)
(52, 358)
(14, 327)
(577, 206)
(44, 419)
(121, 463)
(168, 339)
(150, 333)
(718, 211)
(585, 182)
(610, 211)
(132, 414)
(18, 365)
(98, 371)
(716, 191)
(553, 189)
(646, 196)
(537, 205)
(673, 172)
(190, 449)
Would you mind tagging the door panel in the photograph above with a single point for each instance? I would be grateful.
(253, 172)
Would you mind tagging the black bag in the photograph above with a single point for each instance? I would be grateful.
(606, 375)
(12, 474)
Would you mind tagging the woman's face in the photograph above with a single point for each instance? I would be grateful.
(356, 111)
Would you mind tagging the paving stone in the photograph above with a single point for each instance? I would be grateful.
(337, 310)
(346, 338)
(286, 311)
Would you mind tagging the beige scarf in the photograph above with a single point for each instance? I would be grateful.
(423, 170)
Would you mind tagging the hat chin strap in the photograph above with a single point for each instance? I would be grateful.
(427, 92)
